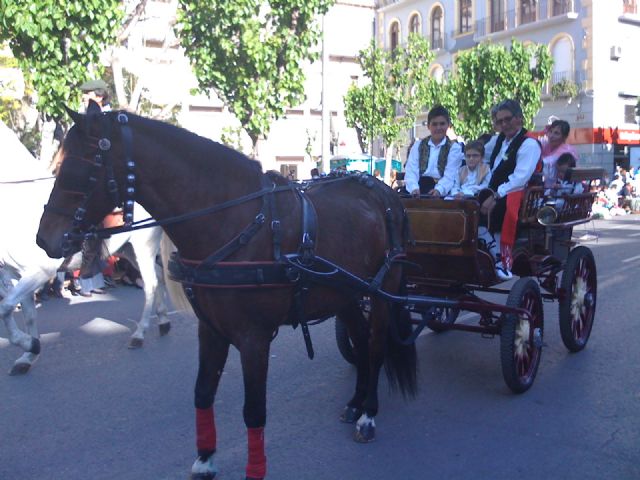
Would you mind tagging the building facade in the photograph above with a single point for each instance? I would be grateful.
(592, 43)
(294, 143)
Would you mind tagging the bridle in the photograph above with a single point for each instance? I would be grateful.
(101, 160)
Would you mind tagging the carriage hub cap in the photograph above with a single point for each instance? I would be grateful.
(522, 337)
(581, 298)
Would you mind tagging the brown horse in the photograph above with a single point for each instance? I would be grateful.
(256, 223)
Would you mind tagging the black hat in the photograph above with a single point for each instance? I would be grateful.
(91, 85)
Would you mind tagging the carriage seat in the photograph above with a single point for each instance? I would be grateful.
(573, 208)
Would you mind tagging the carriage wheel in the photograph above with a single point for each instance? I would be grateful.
(577, 308)
(344, 342)
(441, 318)
(520, 356)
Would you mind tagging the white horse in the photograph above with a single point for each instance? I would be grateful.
(24, 267)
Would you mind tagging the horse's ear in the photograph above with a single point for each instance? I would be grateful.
(93, 108)
(77, 118)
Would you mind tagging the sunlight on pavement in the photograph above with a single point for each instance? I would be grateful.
(102, 326)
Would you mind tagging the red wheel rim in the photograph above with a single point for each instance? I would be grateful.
(583, 294)
(525, 352)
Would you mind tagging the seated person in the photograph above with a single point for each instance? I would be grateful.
(562, 186)
(475, 175)
(434, 161)
(513, 161)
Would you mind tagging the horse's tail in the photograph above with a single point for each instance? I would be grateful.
(174, 289)
(400, 360)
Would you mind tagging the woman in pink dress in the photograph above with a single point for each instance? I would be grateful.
(554, 145)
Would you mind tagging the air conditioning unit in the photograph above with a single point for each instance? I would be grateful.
(616, 52)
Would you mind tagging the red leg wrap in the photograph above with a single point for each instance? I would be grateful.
(205, 430)
(257, 465)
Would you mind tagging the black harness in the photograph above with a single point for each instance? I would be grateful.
(298, 270)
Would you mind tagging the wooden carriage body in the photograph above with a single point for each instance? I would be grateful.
(444, 236)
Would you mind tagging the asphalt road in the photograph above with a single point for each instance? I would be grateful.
(92, 409)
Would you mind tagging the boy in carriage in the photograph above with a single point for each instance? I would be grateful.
(434, 161)
(474, 176)
(513, 161)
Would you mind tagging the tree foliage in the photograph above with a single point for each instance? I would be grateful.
(251, 53)
(55, 42)
(489, 73)
(398, 89)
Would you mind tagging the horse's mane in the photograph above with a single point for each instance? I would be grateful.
(171, 135)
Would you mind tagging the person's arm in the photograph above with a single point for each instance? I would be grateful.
(526, 161)
(412, 168)
(454, 162)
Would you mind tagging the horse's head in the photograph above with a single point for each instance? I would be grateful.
(90, 182)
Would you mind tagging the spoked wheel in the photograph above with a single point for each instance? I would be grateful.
(345, 347)
(577, 308)
(521, 340)
(440, 318)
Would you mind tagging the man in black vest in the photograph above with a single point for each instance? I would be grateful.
(433, 162)
(513, 161)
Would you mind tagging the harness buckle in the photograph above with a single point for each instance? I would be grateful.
(112, 186)
(104, 144)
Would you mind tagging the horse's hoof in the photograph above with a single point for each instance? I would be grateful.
(350, 415)
(35, 346)
(19, 369)
(365, 435)
(365, 429)
(135, 342)
(164, 328)
(203, 476)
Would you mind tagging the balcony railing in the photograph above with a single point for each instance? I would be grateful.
(507, 20)
(579, 77)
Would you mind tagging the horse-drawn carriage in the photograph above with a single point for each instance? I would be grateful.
(256, 252)
(448, 266)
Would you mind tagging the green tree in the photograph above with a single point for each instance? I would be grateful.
(490, 73)
(251, 53)
(56, 42)
(399, 88)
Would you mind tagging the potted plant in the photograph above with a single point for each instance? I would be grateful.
(564, 88)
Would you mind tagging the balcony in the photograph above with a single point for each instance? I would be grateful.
(547, 13)
(566, 84)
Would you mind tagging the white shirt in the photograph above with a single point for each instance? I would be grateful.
(470, 186)
(526, 161)
(412, 169)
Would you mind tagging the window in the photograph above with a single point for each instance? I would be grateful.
(414, 23)
(528, 12)
(630, 114)
(497, 15)
(394, 36)
(561, 7)
(436, 28)
(629, 6)
(562, 53)
(465, 16)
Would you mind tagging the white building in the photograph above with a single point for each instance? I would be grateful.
(593, 43)
(348, 29)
